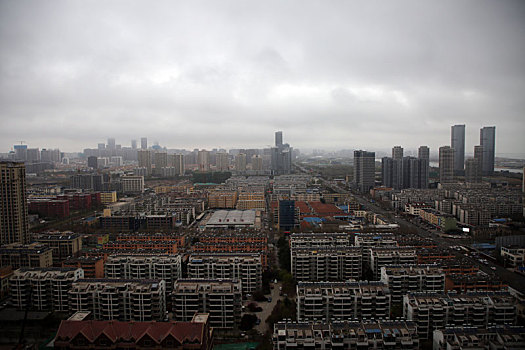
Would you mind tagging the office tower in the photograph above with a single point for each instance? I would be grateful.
(423, 153)
(240, 162)
(133, 144)
(278, 138)
(13, 204)
(397, 152)
(287, 215)
(92, 162)
(257, 163)
(457, 142)
(472, 170)
(364, 170)
(101, 146)
(487, 139)
(144, 143)
(144, 158)
(203, 160)
(111, 143)
(222, 162)
(446, 164)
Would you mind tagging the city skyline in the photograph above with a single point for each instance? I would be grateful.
(223, 75)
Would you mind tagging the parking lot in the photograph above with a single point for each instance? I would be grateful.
(267, 308)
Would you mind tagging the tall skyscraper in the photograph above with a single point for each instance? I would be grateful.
(397, 152)
(144, 143)
(14, 227)
(133, 144)
(161, 161)
(257, 163)
(487, 139)
(424, 153)
(177, 161)
(457, 142)
(281, 156)
(364, 170)
(144, 158)
(446, 164)
(278, 138)
(203, 160)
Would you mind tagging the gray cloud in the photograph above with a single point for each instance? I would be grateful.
(228, 74)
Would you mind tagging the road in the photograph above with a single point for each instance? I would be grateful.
(516, 281)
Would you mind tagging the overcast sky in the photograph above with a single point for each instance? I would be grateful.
(206, 74)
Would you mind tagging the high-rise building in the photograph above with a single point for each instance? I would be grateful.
(257, 163)
(92, 162)
(222, 161)
(161, 161)
(176, 161)
(472, 170)
(20, 152)
(14, 226)
(446, 164)
(133, 144)
(397, 152)
(203, 160)
(144, 158)
(364, 170)
(144, 143)
(457, 142)
(278, 138)
(33, 155)
(487, 139)
(423, 153)
(240, 162)
(111, 143)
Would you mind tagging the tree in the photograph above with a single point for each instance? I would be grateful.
(247, 322)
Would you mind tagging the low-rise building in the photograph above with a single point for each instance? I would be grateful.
(513, 256)
(220, 298)
(93, 266)
(345, 335)
(90, 334)
(108, 197)
(402, 279)
(246, 268)
(493, 337)
(31, 255)
(63, 244)
(141, 266)
(337, 263)
(330, 301)
(434, 311)
(379, 257)
(464, 283)
(122, 299)
(43, 289)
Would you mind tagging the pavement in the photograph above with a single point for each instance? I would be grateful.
(267, 308)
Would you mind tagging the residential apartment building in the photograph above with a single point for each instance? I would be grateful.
(337, 263)
(14, 227)
(132, 184)
(379, 257)
(139, 266)
(493, 337)
(43, 289)
(319, 240)
(221, 299)
(122, 299)
(345, 335)
(246, 268)
(432, 311)
(330, 301)
(93, 266)
(402, 279)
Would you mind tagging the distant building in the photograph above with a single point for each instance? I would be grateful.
(132, 184)
(144, 158)
(446, 164)
(92, 162)
(457, 142)
(240, 162)
(222, 161)
(144, 143)
(364, 170)
(203, 160)
(397, 152)
(281, 156)
(473, 171)
(487, 139)
(133, 144)
(14, 226)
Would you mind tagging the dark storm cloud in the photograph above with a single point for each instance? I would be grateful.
(333, 74)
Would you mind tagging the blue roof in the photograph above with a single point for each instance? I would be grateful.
(313, 219)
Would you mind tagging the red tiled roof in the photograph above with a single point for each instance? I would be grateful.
(118, 331)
